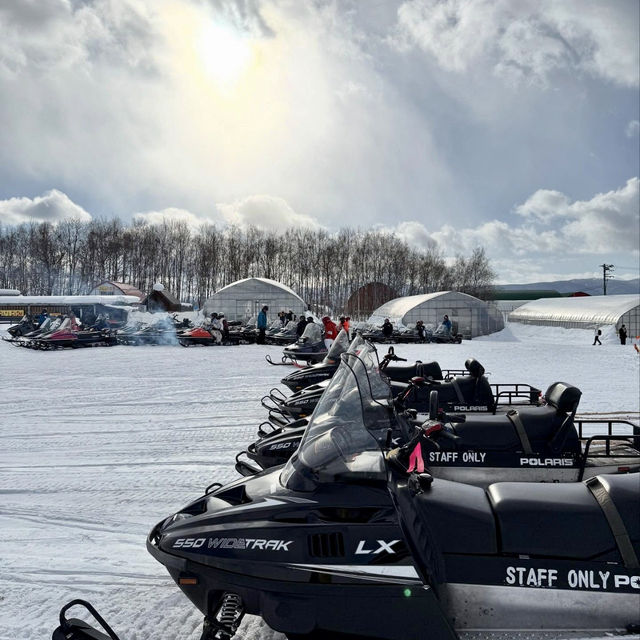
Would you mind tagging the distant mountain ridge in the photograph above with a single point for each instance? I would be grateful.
(592, 286)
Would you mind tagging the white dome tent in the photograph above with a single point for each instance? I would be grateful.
(470, 316)
(243, 299)
(584, 312)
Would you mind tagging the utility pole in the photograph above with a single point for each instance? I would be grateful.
(606, 275)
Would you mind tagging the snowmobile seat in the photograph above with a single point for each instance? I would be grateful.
(497, 431)
(563, 520)
(404, 372)
(460, 516)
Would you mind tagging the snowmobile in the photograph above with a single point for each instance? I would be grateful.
(48, 325)
(340, 544)
(243, 334)
(197, 335)
(66, 338)
(160, 332)
(408, 335)
(314, 373)
(280, 437)
(282, 335)
(442, 336)
(376, 335)
(26, 325)
(459, 390)
(535, 444)
(309, 347)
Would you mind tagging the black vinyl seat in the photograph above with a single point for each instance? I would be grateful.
(461, 517)
(550, 429)
(563, 520)
(404, 372)
(498, 433)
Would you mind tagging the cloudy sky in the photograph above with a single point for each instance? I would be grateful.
(510, 124)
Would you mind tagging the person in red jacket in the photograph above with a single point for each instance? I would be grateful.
(330, 331)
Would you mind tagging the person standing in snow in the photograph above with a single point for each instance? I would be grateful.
(623, 334)
(262, 324)
(42, 317)
(225, 326)
(330, 331)
(596, 339)
(420, 330)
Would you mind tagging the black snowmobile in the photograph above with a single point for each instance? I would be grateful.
(280, 437)
(442, 336)
(26, 325)
(309, 347)
(314, 373)
(339, 545)
(282, 335)
(459, 390)
(482, 442)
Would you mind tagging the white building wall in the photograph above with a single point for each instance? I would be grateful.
(242, 300)
(586, 312)
(470, 316)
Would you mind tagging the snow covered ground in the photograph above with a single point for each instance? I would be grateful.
(100, 444)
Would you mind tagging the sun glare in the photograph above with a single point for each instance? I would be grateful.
(225, 54)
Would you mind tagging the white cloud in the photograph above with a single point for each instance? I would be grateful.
(265, 212)
(524, 41)
(549, 231)
(53, 206)
(116, 98)
(414, 233)
(633, 129)
(173, 214)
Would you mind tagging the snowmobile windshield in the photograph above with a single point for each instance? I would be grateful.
(339, 346)
(312, 333)
(350, 423)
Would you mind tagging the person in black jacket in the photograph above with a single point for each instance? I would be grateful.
(300, 327)
(387, 328)
(623, 334)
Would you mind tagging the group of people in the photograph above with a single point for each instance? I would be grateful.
(622, 334)
(387, 327)
(331, 329)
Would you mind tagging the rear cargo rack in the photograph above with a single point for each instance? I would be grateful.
(629, 448)
(507, 393)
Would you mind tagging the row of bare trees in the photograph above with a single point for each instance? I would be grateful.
(325, 268)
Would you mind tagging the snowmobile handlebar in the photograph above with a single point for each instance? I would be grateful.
(390, 357)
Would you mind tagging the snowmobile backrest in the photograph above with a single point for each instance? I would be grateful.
(563, 397)
(429, 370)
(474, 368)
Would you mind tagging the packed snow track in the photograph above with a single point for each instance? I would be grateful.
(97, 445)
